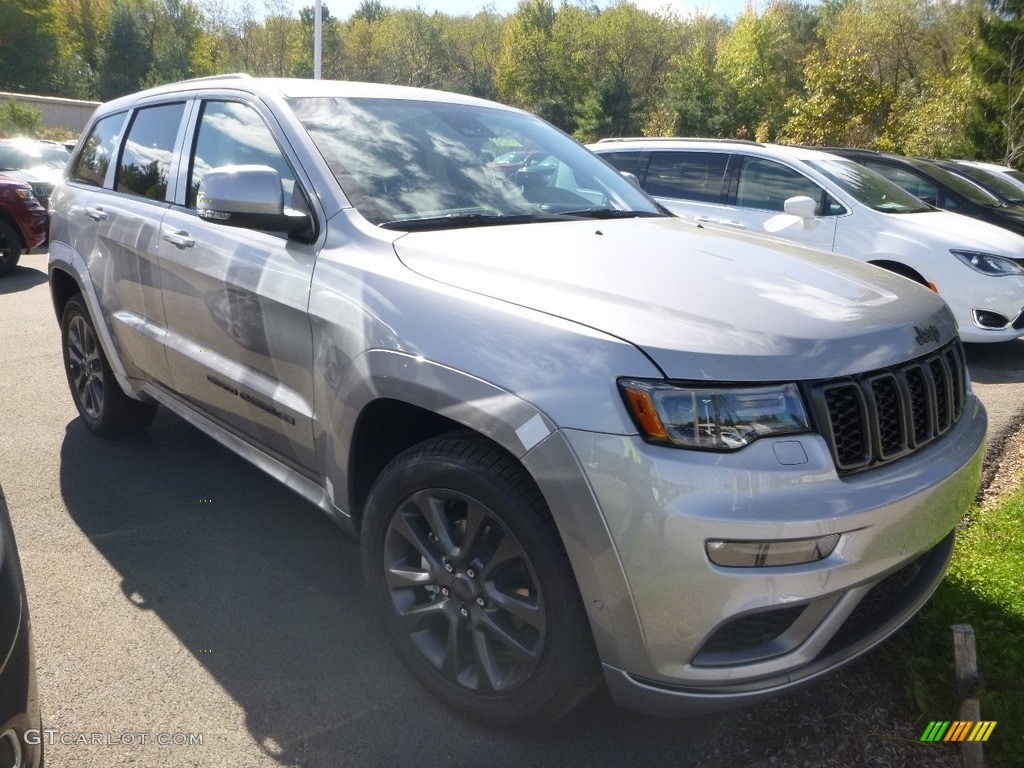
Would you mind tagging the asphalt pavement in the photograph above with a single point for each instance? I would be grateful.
(190, 611)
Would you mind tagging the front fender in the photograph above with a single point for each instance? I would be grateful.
(378, 374)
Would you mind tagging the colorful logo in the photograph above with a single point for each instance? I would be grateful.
(958, 730)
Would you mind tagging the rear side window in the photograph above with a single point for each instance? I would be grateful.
(628, 160)
(766, 185)
(148, 149)
(687, 175)
(99, 149)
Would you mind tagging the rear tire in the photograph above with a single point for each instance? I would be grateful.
(10, 248)
(473, 586)
(102, 404)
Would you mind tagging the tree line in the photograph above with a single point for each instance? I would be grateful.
(924, 77)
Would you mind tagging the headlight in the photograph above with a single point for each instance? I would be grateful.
(989, 263)
(713, 419)
(24, 193)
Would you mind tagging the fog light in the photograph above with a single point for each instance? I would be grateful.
(984, 318)
(756, 554)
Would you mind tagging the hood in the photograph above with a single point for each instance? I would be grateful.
(944, 230)
(42, 176)
(1010, 217)
(703, 304)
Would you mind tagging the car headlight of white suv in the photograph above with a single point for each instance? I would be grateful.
(988, 263)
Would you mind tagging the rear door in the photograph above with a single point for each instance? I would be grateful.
(239, 342)
(118, 192)
(758, 190)
(688, 183)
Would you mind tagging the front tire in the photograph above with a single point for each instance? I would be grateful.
(466, 568)
(102, 404)
(10, 248)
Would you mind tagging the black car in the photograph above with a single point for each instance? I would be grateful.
(939, 187)
(998, 185)
(20, 742)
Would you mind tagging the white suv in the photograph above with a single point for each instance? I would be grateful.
(835, 204)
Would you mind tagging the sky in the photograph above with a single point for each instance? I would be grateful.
(343, 8)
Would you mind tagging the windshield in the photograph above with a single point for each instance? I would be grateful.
(968, 189)
(400, 162)
(21, 157)
(868, 187)
(998, 185)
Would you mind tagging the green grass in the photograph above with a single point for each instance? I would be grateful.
(984, 588)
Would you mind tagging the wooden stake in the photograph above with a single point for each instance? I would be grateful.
(968, 685)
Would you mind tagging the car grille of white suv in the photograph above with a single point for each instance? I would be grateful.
(877, 417)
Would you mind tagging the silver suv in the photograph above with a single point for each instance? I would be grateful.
(579, 440)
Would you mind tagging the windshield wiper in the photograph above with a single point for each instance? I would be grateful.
(461, 220)
(610, 213)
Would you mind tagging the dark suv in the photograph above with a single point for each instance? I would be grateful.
(23, 222)
(939, 187)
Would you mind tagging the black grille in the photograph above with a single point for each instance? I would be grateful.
(882, 415)
(892, 597)
(846, 412)
(882, 595)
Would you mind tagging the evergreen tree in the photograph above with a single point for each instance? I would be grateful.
(997, 127)
(128, 52)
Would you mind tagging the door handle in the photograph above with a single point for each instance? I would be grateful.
(180, 239)
(734, 224)
(705, 220)
(96, 214)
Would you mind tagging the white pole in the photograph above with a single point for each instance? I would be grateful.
(318, 29)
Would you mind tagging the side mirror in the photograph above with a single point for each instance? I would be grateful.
(631, 178)
(248, 196)
(803, 208)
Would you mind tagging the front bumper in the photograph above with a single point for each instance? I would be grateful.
(976, 295)
(679, 634)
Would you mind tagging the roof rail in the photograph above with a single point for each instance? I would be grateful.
(226, 76)
(679, 138)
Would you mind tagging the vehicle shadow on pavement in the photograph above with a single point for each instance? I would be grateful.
(21, 278)
(1001, 363)
(266, 593)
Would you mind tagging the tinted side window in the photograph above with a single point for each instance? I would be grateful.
(628, 160)
(99, 149)
(148, 149)
(687, 175)
(230, 133)
(766, 185)
(919, 187)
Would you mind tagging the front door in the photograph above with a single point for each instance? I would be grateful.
(758, 195)
(239, 339)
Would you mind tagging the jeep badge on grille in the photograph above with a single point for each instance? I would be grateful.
(926, 334)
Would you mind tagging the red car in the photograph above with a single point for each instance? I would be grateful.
(24, 223)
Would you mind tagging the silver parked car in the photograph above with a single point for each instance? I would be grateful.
(579, 440)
